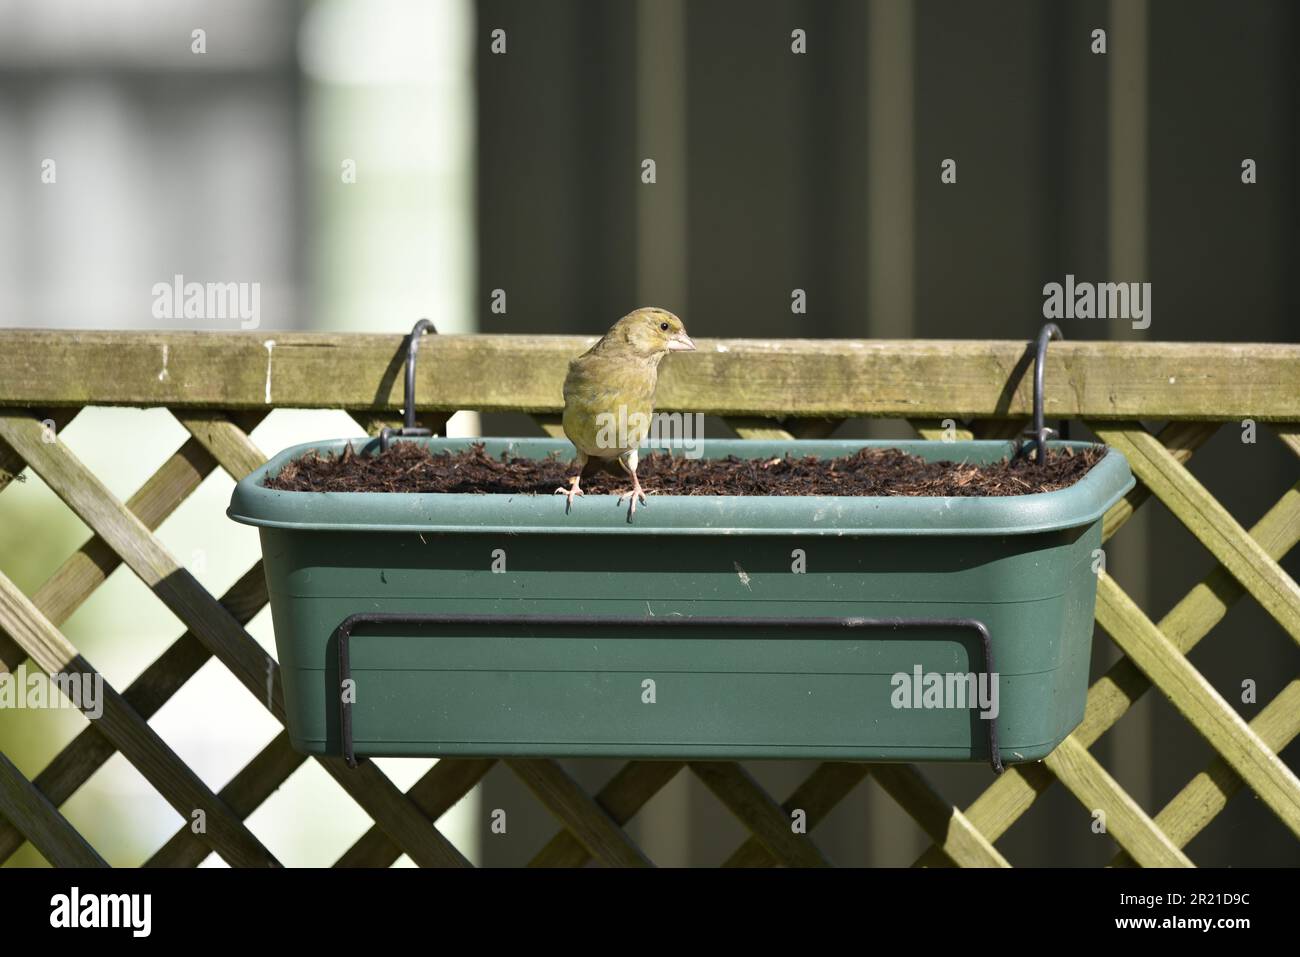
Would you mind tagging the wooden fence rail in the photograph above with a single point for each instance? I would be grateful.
(220, 386)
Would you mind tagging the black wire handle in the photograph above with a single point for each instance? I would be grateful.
(409, 428)
(1039, 433)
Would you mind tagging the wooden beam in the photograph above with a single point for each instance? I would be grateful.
(1200, 703)
(940, 819)
(32, 814)
(748, 377)
(88, 567)
(1110, 697)
(434, 794)
(1197, 804)
(212, 624)
(1076, 768)
(754, 427)
(224, 441)
(621, 798)
(258, 780)
(1189, 500)
(131, 734)
(578, 811)
(935, 432)
(89, 750)
(11, 463)
(753, 807)
(1182, 439)
(819, 793)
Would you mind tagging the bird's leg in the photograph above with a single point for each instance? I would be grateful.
(628, 460)
(573, 489)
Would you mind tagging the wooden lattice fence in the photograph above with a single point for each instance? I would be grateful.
(220, 386)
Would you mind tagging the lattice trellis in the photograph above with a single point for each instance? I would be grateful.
(1155, 654)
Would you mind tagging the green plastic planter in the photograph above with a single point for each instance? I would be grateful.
(714, 627)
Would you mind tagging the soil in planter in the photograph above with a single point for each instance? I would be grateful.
(407, 467)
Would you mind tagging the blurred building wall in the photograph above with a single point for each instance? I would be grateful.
(778, 171)
(165, 160)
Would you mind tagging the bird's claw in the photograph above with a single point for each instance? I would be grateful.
(568, 494)
(631, 496)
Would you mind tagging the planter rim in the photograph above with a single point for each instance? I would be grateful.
(411, 512)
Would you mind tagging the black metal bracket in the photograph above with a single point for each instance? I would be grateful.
(1038, 433)
(409, 428)
(344, 635)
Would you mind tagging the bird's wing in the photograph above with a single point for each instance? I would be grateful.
(604, 388)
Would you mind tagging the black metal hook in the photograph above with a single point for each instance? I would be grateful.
(409, 428)
(1038, 433)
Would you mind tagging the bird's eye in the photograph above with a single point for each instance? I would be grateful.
(663, 326)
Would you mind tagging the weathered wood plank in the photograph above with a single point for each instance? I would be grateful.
(1197, 804)
(131, 734)
(803, 427)
(434, 794)
(254, 783)
(1110, 697)
(223, 440)
(942, 822)
(999, 428)
(87, 568)
(818, 794)
(933, 430)
(753, 807)
(782, 429)
(999, 806)
(621, 798)
(1076, 768)
(1182, 439)
(1198, 701)
(575, 808)
(800, 377)
(25, 809)
(87, 752)
(11, 463)
(1289, 433)
(392, 810)
(397, 814)
(82, 491)
(1210, 522)
(756, 427)
(979, 429)
(1190, 620)
(372, 422)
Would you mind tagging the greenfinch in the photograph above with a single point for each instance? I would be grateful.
(609, 395)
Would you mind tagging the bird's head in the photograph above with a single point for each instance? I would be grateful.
(651, 333)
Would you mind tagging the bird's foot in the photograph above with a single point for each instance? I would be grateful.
(569, 494)
(631, 496)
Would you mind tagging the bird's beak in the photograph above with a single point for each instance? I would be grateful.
(681, 342)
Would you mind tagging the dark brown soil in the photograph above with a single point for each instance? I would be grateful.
(406, 467)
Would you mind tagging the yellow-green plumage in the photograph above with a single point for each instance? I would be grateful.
(610, 390)
(598, 386)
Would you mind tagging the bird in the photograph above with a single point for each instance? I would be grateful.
(609, 395)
